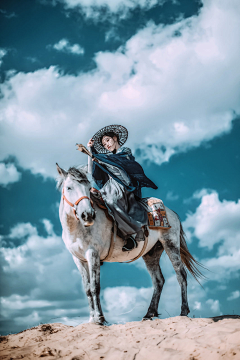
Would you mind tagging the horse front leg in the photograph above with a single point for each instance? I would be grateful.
(93, 259)
(84, 271)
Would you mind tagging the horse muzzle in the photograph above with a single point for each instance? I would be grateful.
(88, 218)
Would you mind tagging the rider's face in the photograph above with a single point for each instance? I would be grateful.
(109, 143)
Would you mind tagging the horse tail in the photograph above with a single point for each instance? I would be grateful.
(188, 260)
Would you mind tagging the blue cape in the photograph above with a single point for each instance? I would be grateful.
(123, 168)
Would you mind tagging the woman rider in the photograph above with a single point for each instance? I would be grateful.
(120, 179)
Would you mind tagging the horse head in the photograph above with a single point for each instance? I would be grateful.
(76, 194)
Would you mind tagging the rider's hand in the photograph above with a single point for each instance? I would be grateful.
(90, 143)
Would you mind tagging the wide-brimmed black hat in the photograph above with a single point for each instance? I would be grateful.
(120, 131)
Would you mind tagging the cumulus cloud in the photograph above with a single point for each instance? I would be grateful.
(234, 295)
(128, 303)
(216, 222)
(35, 286)
(21, 230)
(93, 8)
(65, 46)
(8, 174)
(173, 86)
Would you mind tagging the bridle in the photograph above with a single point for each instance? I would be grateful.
(74, 206)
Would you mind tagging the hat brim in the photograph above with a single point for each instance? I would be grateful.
(119, 130)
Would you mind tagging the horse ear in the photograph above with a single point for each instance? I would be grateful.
(61, 171)
(84, 168)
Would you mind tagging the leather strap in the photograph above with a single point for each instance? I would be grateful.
(76, 203)
(141, 252)
(113, 240)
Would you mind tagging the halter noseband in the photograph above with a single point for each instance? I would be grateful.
(74, 206)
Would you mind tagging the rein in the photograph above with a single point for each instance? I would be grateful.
(74, 206)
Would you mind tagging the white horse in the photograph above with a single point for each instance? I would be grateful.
(87, 234)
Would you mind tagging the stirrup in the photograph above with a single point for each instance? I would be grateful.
(130, 245)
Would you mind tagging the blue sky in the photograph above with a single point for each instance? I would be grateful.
(169, 72)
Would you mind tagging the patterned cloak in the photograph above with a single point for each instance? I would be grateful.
(122, 167)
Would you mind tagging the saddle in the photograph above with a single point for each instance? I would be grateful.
(157, 217)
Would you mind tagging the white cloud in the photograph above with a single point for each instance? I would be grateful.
(8, 174)
(33, 279)
(48, 226)
(112, 35)
(223, 267)
(17, 302)
(92, 8)
(215, 222)
(234, 295)
(214, 305)
(168, 90)
(197, 305)
(64, 46)
(21, 230)
(3, 52)
(126, 303)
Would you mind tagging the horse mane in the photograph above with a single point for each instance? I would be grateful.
(77, 173)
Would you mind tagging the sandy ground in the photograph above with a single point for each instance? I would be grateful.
(173, 338)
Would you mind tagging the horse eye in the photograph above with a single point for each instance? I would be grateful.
(69, 188)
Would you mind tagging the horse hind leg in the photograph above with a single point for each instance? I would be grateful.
(173, 252)
(151, 260)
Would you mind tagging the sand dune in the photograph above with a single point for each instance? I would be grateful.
(172, 338)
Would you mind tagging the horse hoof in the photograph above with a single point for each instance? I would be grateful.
(185, 312)
(91, 320)
(102, 323)
(145, 318)
(100, 320)
(150, 316)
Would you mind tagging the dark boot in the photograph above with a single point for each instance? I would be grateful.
(130, 244)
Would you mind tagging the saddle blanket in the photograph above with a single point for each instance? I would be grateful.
(157, 217)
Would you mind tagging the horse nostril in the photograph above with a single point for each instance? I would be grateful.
(87, 216)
